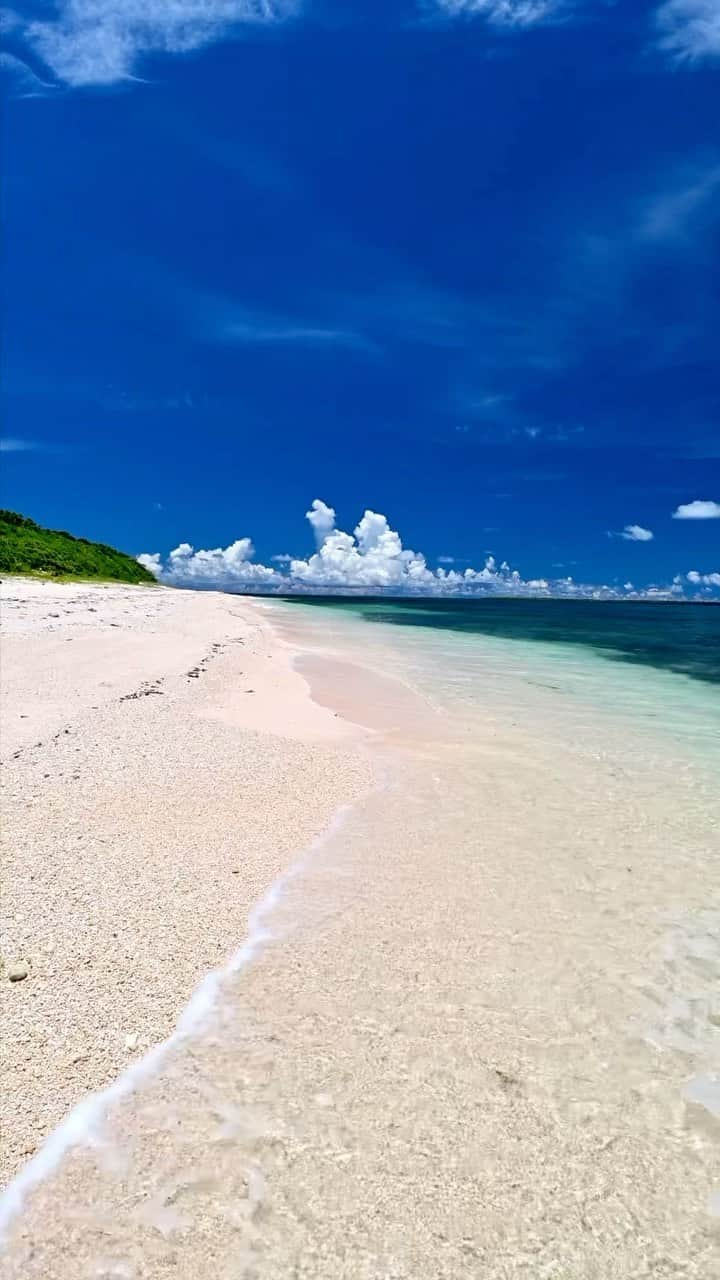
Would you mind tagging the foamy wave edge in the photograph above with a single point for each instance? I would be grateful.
(81, 1126)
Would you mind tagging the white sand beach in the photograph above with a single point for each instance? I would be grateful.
(479, 1036)
(162, 763)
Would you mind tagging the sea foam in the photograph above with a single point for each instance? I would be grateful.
(83, 1125)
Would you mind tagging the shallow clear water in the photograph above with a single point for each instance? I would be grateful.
(484, 1037)
(631, 690)
(651, 668)
(684, 639)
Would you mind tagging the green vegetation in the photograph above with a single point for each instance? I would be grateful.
(27, 548)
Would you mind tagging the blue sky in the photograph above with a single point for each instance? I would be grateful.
(455, 261)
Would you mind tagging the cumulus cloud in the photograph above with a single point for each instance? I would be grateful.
(703, 579)
(151, 561)
(700, 509)
(689, 30)
(636, 533)
(224, 566)
(322, 520)
(370, 559)
(100, 42)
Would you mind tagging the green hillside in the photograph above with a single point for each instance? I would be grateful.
(25, 547)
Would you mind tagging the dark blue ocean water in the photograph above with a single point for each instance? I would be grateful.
(681, 638)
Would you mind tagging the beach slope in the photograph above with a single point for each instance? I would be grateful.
(162, 765)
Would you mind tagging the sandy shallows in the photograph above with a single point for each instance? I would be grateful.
(162, 764)
(467, 1052)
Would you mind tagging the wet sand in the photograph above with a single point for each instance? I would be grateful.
(469, 1047)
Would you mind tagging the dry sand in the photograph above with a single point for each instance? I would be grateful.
(162, 764)
(469, 1050)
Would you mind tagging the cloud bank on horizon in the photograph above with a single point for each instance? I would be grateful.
(372, 559)
(101, 42)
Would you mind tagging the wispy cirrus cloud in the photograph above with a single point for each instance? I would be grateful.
(219, 319)
(249, 329)
(21, 79)
(689, 30)
(90, 43)
(502, 13)
(676, 212)
(596, 282)
(101, 42)
(11, 444)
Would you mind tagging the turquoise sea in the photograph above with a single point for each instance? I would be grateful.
(679, 638)
(481, 1009)
(625, 698)
(647, 672)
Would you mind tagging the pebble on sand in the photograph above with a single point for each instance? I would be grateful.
(17, 971)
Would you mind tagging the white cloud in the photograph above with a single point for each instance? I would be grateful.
(502, 13)
(10, 444)
(700, 509)
(689, 29)
(322, 520)
(370, 559)
(446, 559)
(703, 579)
(632, 533)
(100, 42)
(224, 566)
(636, 533)
(152, 562)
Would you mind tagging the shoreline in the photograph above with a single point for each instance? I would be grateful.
(481, 1041)
(122, 892)
(83, 1126)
